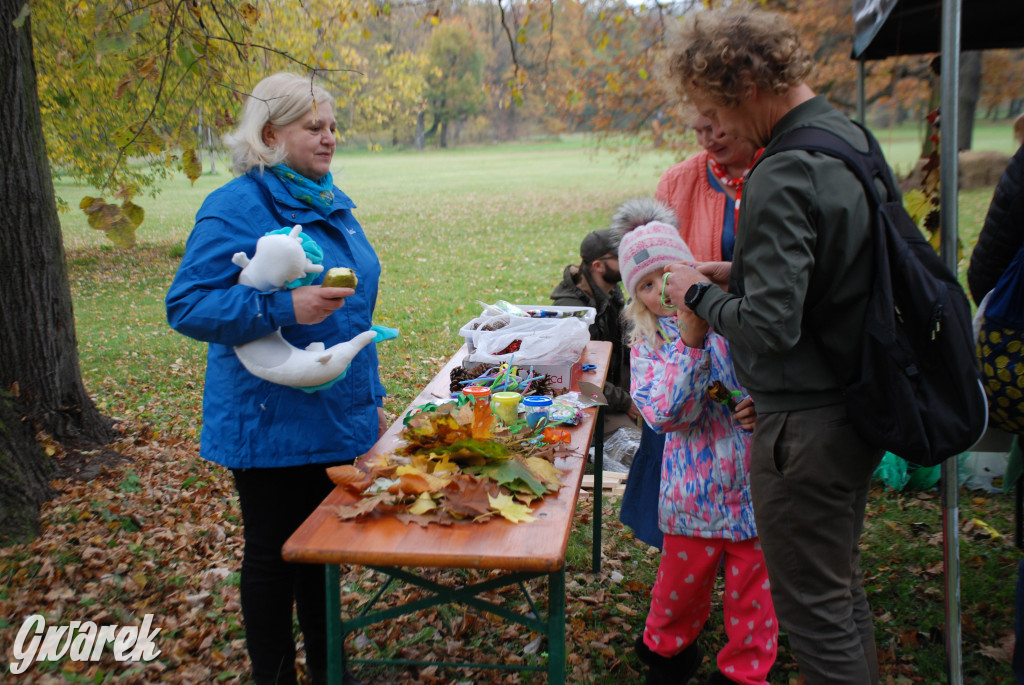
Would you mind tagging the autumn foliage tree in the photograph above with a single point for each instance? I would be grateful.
(120, 85)
(453, 77)
(156, 71)
(1004, 91)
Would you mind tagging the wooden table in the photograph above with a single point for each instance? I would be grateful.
(523, 551)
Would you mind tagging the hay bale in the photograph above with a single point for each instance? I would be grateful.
(981, 168)
(978, 169)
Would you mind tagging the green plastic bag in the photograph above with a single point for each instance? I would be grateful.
(892, 471)
(897, 473)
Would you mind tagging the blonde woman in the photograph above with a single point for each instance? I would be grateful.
(275, 439)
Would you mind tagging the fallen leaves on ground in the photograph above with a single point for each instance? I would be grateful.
(160, 532)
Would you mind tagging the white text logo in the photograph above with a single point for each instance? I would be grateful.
(81, 641)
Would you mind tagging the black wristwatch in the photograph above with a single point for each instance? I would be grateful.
(695, 294)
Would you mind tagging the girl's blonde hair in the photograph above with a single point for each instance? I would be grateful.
(643, 323)
(279, 100)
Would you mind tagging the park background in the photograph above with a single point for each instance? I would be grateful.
(475, 183)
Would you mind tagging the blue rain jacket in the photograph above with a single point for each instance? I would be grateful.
(249, 422)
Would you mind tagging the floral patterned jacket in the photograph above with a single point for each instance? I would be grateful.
(705, 471)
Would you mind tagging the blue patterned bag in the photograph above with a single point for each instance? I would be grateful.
(1001, 348)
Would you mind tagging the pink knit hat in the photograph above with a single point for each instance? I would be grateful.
(648, 248)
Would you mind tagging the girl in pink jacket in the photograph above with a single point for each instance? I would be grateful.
(683, 382)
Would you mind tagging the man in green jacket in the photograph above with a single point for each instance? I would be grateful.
(793, 312)
(594, 282)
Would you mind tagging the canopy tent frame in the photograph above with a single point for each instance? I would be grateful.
(949, 199)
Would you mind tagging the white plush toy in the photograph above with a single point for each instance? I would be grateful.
(279, 259)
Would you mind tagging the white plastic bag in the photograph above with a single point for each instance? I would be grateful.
(537, 311)
(541, 341)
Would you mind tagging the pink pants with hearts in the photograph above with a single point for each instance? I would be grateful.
(681, 603)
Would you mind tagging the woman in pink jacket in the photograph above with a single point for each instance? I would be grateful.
(705, 191)
(683, 382)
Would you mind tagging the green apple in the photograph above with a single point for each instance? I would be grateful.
(340, 277)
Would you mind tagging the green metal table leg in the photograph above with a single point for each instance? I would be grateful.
(598, 486)
(335, 637)
(556, 627)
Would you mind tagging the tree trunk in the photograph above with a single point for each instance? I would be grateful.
(420, 132)
(39, 364)
(967, 98)
(25, 478)
(432, 131)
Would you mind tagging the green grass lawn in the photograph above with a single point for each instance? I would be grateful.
(451, 229)
(456, 227)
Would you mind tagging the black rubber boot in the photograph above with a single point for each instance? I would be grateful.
(669, 670)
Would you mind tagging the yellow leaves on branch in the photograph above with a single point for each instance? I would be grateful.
(119, 223)
(146, 69)
(250, 14)
(141, 136)
(191, 165)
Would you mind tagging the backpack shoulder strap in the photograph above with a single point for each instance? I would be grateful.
(868, 166)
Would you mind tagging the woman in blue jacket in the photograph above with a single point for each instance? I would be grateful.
(277, 440)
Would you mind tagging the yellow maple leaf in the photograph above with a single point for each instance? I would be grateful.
(445, 465)
(917, 204)
(507, 507)
(545, 472)
(433, 483)
(420, 462)
(422, 505)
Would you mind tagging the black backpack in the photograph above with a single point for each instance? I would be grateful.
(918, 392)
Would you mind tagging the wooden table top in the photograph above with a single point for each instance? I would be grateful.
(533, 546)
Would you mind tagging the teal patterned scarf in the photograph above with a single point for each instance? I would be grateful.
(317, 194)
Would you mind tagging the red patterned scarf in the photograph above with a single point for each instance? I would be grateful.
(735, 183)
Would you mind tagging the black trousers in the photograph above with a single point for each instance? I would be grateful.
(274, 504)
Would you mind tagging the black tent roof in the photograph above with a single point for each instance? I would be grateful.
(885, 28)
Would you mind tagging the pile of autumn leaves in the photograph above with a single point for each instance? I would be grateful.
(453, 468)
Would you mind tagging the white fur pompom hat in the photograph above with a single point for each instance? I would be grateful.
(648, 240)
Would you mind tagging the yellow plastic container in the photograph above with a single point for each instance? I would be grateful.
(506, 406)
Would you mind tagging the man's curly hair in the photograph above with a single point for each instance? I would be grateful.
(723, 54)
